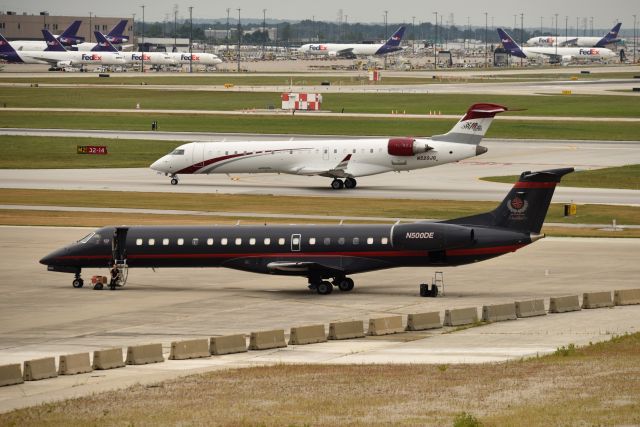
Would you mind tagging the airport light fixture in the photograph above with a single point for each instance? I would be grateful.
(435, 44)
(386, 15)
(556, 15)
(239, 38)
(413, 31)
(175, 27)
(521, 35)
(635, 41)
(142, 49)
(228, 10)
(90, 29)
(191, 39)
(264, 29)
(486, 25)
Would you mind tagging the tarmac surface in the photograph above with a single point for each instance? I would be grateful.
(41, 315)
(454, 181)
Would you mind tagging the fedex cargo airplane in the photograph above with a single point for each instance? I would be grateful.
(337, 159)
(57, 56)
(325, 254)
(67, 38)
(577, 41)
(355, 49)
(556, 55)
(115, 36)
(151, 58)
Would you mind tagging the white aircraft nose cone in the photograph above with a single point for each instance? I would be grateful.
(158, 165)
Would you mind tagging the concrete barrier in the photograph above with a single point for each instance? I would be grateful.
(422, 321)
(460, 316)
(307, 335)
(39, 369)
(626, 296)
(228, 344)
(71, 364)
(144, 354)
(530, 308)
(189, 349)
(346, 330)
(265, 340)
(385, 325)
(108, 359)
(597, 299)
(564, 304)
(11, 374)
(499, 312)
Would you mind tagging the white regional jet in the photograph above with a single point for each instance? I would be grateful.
(577, 41)
(555, 54)
(56, 55)
(338, 159)
(355, 49)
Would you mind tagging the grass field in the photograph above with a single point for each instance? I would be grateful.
(627, 177)
(309, 125)
(386, 208)
(128, 98)
(593, 385)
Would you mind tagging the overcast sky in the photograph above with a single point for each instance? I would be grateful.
(605, 13)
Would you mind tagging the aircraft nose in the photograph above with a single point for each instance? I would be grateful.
(158, 165)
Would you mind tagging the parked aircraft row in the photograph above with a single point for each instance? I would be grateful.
(555, 54)
(342, 160)
(352, 50)
(103, 53)
(578, 41)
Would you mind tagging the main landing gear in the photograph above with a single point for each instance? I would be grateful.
(174, 180)
(324, 287)
(338, 184)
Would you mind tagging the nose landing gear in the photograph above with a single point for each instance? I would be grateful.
(174, 180)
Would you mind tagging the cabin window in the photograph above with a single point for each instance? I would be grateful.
(356, 240)
(224, 241)
(371, 150)
(341, 241)
(369, 240)
(180, 242)
(327, 241)
(335, 151)
(235, 152)
(312, 240)
(252, 241)
(384, 240)
(226, 153)
(210, 241)
(290, 151)
(138, 242)
(105, 241)
(295, 241)
(177, 152)
(165, 242)
(267, 241)
(238, 241)
(152, 242)
(281, 241)
(195, 241)
(354, 151)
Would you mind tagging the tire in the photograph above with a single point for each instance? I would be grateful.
(325, 288)
(434, 291)
(174, 181)
(77, 283)
(336, 184)
(346, 284)
(350, 183)
(97, 287)
(424, 290)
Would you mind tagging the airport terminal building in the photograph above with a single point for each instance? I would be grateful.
(23, 26)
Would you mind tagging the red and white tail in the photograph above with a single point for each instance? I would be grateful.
(473, 125)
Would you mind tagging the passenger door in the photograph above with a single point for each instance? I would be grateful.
(296, 243)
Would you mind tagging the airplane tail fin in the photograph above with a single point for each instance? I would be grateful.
(118, 29)
(53, 44)
(610, 37)
(5, 47)
(510, 44)
(526, 205)
(102, 44)
(69, 36)
(473, 125)
(396, 38)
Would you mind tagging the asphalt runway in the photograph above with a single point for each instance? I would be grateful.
(455, 181)
(41, 315)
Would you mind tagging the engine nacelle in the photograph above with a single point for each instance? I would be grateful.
(431, 236)
(406, 147)
(62, 64)
(332, 54)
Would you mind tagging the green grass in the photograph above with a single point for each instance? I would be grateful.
(29, 152)
(310, 125)
(128, 98)
(624, 177)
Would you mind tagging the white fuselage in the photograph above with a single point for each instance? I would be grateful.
(562, 41)
(333, 49)
(150, 58)
(337, 158)
(72, 58)
(197, 58)
(594, 53)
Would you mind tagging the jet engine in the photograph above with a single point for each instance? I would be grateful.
(431, 236)
(406, 147)
(62, 64)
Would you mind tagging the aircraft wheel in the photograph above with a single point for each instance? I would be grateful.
(350, 183)
(346, 284)
(336, 184)
(434, 291)
(77, 283)
(97, 287)
(112, 287)
(174, 181)
(325, 288)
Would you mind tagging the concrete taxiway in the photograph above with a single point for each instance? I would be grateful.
(456, 181)
(42, 315)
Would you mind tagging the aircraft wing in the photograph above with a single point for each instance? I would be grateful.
(570, 42)
(50, 61)
(347, 53)
(300, 267)
(339, 171)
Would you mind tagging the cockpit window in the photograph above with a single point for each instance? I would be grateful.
(86, 238)
(177, 152)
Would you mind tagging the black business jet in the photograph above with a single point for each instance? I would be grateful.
(321, 252)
